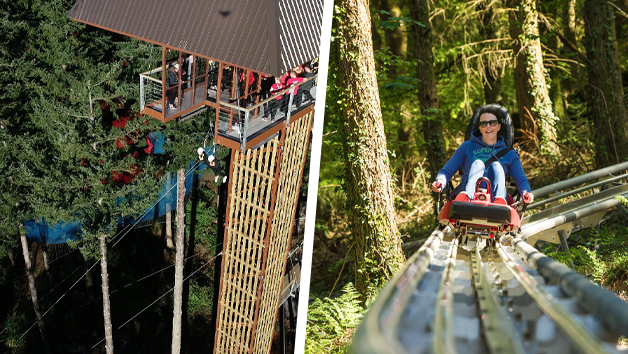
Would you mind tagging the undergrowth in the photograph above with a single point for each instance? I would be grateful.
(332, 322)
(602, 255)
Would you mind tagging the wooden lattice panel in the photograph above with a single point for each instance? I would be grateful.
(249, 208)
(294, 154)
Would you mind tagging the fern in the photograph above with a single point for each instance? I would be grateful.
(597, 265)
(331, 322)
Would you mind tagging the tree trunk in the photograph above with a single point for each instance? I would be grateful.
(570, 84)
(555, 90)
(169, 242)
(369, 188)
(492, 80)
(31, 285)
(89, 280)
(530, 82)
(397, 38)
(106, 306)
(428, 94)
(178, 273)
(605, 95)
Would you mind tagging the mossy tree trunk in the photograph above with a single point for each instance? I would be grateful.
(428, 94)
(530, 74)
(377, 246)
(605, 93)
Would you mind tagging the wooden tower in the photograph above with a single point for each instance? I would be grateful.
(264, 187)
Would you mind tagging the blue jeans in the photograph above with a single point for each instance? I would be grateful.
(495, 174)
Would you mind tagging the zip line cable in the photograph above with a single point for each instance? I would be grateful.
(136, 281)
(97, 262)
(62, 296)
(61, 282)
(159, 298)
(49, 292)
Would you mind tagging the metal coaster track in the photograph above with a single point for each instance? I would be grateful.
(452, 299)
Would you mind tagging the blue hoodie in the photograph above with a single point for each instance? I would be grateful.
(476, 149)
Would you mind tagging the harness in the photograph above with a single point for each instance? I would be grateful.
(497, 156)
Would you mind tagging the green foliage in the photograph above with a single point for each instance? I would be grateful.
(332, 321)
(205, 217)
(200, 300)
(622, 199)
(13, 329)
(602, 255)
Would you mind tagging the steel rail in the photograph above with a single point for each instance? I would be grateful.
(500, 334)
(376, 333)
(587, 177)
(579, 334)
(569, 215)
(608, 308)
(576, 204)
(444, 317)
(575, 191)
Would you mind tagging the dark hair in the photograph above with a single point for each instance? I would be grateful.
(496, 110)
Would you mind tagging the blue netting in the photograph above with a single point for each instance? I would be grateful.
(61, 232)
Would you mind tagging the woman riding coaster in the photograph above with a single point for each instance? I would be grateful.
(471, 157)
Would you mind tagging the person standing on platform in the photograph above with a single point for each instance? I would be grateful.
(293, 81)
(306, 87)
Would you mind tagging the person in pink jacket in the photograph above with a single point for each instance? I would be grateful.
(293, 81)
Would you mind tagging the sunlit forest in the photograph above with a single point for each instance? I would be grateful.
(559, 67)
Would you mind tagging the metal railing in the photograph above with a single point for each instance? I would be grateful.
(243, 119)
(240, 119)
(151, 90)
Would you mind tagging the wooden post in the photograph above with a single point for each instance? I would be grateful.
(218, 91)
(179, 77)
(193, 78)
(31, 285)
(178, 275)
(164, 77)
(234, 86)
(106, 306)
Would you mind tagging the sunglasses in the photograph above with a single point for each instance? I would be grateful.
(492, 123)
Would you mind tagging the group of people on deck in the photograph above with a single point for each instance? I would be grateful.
(289, 79)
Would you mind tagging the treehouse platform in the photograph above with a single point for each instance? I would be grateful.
(222, 54)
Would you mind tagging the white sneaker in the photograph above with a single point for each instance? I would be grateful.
(224, 179)
(216, 179)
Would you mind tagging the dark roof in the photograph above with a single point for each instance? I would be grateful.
(268, 36)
